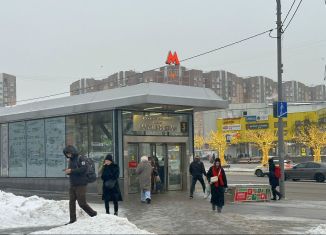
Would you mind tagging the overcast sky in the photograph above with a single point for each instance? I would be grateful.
(48, 44)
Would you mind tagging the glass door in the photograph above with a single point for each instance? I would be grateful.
(133, 159)
(174, 167)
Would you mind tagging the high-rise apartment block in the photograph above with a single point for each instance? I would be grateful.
(229, 86)
(7, 89)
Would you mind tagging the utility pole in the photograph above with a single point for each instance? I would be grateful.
(280, 95)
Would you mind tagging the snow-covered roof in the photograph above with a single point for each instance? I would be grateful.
(142, 96)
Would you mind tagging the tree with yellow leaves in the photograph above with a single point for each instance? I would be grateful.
(263, 139)
(199, 141)
(313, 137)
(217, 141)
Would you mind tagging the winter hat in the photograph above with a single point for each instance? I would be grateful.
(109, 157)
(144, 159)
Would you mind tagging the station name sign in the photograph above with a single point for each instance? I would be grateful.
(158, 124)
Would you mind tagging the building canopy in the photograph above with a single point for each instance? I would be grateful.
(144, 96)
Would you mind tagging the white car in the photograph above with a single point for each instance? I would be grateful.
(262, 170)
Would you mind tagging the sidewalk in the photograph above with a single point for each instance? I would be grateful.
(175, 213)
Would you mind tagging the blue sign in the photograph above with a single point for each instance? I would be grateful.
(282, 109)
(251, 118)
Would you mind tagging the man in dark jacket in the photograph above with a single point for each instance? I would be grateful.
(78, 182)
(197, 169)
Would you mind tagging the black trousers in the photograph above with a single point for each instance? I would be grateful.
(78, 193)
(275, 192)
(194, 181)
(107, 206)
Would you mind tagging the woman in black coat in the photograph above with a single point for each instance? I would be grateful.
(273, 180)
(111, 190)
(217, 188)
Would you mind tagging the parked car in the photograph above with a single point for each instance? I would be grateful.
(262, 170)
(307, 171)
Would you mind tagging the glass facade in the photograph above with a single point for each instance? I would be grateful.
(54, 143)
(100, 136)
(17, 149)
(4, 149)
(34, 148)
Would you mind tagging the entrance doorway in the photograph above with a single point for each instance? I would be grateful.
(168, 158)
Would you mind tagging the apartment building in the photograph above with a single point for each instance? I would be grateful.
(259, 89)
(229, 86)
(7, 89)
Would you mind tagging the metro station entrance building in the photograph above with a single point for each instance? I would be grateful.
(147, 119)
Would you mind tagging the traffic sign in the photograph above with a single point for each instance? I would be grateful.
(282, 109)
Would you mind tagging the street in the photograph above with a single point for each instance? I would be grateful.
(173, 212)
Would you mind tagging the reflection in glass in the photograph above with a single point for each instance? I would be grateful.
(35, 148)
(55, 143)
(76, 132)
(100, 136)
(17, 150)
(4, 149)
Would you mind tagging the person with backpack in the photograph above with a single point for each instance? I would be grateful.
(274, 175)
(111, 190)
(77, 171)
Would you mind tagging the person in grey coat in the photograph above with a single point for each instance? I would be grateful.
(144, 172)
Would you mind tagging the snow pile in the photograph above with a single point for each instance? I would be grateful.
(34, 211)
(101, 224)
(321, 229)
(18, 211)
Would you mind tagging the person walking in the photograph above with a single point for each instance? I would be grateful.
(196, 170)
(144, 172)
(273, 180)
(111, 189)
(217, 178)
(78, 182)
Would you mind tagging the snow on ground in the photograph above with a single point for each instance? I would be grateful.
(34, 211)
(101, 224)
(321, 229)
(294, 204)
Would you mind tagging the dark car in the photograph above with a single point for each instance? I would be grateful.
(307, 171)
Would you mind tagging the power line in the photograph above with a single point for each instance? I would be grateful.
(292, 16)
(183, 60)
(288, 12)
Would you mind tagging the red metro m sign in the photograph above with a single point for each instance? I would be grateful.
(172, 59)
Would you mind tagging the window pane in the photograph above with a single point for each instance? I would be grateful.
(17, 150)
(4, 149)
(55, 143)
(100, 136)
(35, 148)
(76, 132)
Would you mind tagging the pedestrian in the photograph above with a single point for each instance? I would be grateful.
(78, 182)
(208, 186)
(217, 178)
(144, 172)
(196, 170)
(273, 180)
(111, 189)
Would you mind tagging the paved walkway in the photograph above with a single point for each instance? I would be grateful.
(175, 213)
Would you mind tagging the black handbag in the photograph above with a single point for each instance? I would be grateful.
(109, 184)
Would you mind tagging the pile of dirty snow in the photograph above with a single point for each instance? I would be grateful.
(34, 211)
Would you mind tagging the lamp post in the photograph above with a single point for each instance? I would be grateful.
(280, 95)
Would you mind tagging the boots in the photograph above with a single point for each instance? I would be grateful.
(213, 207)
(219, 209)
